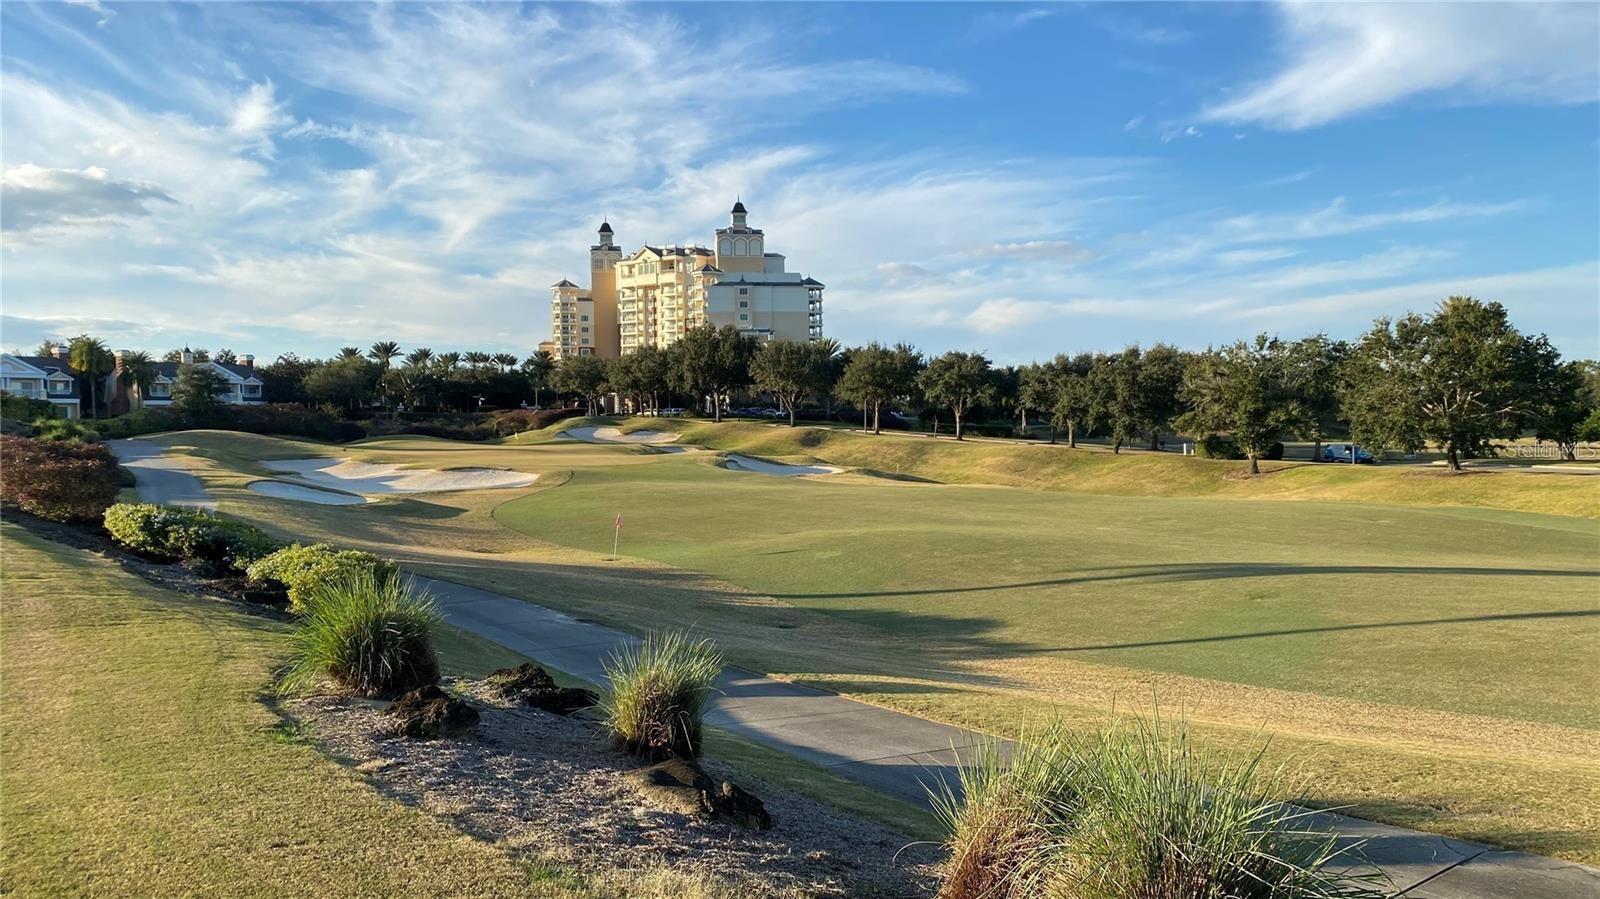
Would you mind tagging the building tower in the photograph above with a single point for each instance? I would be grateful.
(603, 259)
(739, 246)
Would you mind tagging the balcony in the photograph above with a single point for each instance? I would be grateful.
(32, 393)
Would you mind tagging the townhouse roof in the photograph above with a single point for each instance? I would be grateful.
(563, 283)
(50, 365)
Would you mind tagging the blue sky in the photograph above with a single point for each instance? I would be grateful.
(1020, 179)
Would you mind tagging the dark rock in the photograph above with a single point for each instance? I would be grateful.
(684, 786)
(428, 713)
(531, 685)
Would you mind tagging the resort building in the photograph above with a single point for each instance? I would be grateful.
(47, 378)
(240, 384)
(652, 296)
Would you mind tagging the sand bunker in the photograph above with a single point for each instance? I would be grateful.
(762, 466)
(286, 490)
(364, 477)
(615, 435)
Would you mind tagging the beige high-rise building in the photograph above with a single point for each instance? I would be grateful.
(654, 295)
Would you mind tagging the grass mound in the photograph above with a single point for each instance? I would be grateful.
(655, 703)
(369, 632)
(1134, 812)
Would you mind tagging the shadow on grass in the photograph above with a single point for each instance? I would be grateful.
(1332, 628)
(1209, 571)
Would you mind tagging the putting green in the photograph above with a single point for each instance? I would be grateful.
(1464, 610)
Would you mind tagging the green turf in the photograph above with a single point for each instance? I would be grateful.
(1395, 605)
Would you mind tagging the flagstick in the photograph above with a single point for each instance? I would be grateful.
(616, 536)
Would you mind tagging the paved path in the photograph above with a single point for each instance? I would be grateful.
(898, 754)
(161, 479)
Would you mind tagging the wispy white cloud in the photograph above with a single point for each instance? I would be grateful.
(1341, 59)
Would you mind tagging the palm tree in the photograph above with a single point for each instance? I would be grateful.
(477, 359)
(450, 360)
(506, 361)
(383, 352)
(138, 372)
(349, 352)
(419, 357)
(539, 367)
(89, 356)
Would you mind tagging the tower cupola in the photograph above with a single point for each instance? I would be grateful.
(739, 214)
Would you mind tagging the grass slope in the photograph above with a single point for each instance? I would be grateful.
(1135, 473)
(138, 757)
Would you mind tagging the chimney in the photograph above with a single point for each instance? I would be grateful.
(62, 352)
(248, 361)
(187, 356)
(120, 356)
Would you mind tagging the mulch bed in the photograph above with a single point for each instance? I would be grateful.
(551, 787)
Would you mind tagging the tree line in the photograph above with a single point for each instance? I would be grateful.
(1457, 378)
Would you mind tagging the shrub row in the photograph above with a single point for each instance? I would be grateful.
(187, 535)
(59, 481)
(301, 568)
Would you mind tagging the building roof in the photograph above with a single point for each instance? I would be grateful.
(562, 283)
(673, 251)
(51, 366)
(708, 267)
(606, 226)
(738, 206)
(775, 279)
(812, 282)
(168, 371)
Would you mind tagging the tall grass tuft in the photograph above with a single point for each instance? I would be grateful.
(655, 701)
(1004, 813)
(370, 632)
(1137, 811)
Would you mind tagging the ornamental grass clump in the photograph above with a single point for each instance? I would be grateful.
(1002, 816)
(372, 634)
(1138, 811)
(655, 702)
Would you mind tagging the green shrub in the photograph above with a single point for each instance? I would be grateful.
(26, 408)
(59, 481)
(147, 420)
(188, 535)
(64, 430)
(372, 635)
(655, 701)
(300, 568)
(1217, 446)
(1136, 812)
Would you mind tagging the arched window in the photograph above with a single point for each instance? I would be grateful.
(741, 248)
(725, 247)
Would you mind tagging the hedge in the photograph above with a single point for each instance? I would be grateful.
(58, 481)
(301, 568)
(186, 535)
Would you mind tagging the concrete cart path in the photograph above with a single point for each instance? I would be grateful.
(898, 754)
(161, 479)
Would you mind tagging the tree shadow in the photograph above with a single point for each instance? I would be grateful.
(1207, 571)
(1326, 629)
